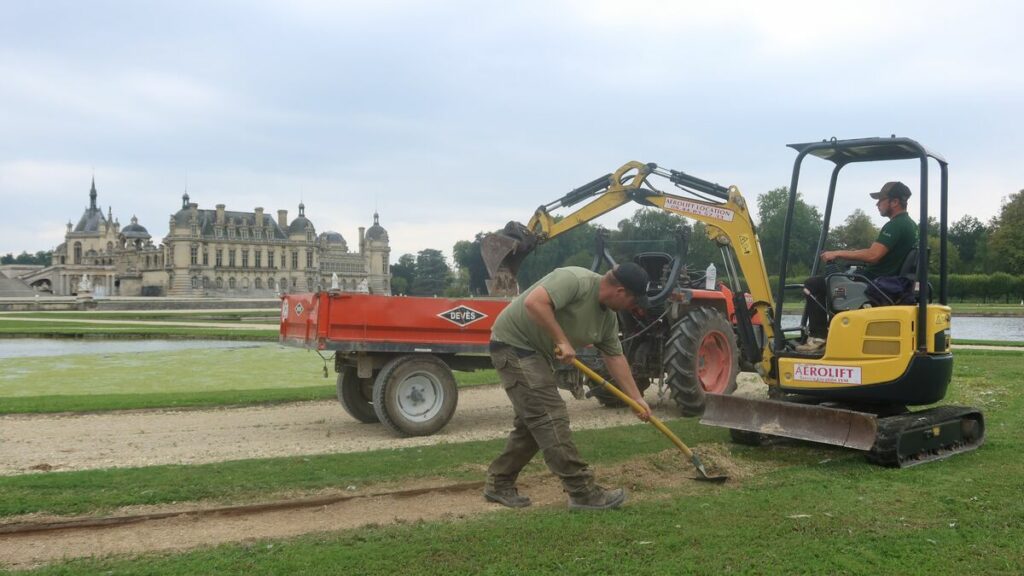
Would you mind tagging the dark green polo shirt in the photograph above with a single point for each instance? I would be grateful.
(899, 235)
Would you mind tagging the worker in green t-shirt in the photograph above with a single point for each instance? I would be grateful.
(884, 257)
(568, 309)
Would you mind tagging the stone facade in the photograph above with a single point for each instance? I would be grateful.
(216, 253)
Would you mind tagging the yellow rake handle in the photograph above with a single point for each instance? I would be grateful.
(632, 404)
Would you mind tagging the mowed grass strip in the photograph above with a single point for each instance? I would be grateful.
(172, 379)
(823, 511)
(988, 380)
(98, 491)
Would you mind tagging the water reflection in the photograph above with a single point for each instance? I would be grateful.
(965, 327)
(27, 347)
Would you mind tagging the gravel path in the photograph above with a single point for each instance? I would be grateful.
(146, 438)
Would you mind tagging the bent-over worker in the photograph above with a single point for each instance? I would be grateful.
(567, 309)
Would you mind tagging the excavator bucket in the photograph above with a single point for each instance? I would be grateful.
(503, 252)
(810, 422)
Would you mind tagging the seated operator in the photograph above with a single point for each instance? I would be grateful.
(883, 258)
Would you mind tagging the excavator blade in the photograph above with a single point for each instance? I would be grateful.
(810, 422)
(503, 252)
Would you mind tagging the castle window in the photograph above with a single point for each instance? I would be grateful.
(245, 258)
(270, 258)
(244, 232)
(218, 231)
(259, 258)
(232, 258)
(193, 256)
(220, 258)
(206, 257)
(309, 258)
(78, 252)
(219, 283)
(231, 232)
(231, 283)
(257, 284)
(295, 260)
(195, 282)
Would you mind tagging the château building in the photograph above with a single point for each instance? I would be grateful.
(213, 253)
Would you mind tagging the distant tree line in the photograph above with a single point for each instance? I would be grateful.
(40, 258)
(986, 260)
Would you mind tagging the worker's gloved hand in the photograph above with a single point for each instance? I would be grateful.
(645, 414)
(565, 353)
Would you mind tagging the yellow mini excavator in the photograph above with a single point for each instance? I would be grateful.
(879, 359)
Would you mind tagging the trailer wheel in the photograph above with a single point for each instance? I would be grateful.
(700, 358)
(356, 395)
(415, 395)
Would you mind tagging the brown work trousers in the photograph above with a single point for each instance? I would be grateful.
(541, 423)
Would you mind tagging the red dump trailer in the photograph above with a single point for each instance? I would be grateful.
(394, 355)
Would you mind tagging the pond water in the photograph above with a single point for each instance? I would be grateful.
(26, 347)
(966, 327)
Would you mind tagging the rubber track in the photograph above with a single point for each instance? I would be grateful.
(891, 428)
(240, 510)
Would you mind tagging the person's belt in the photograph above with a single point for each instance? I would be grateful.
(496, 346)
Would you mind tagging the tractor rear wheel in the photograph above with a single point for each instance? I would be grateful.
(356, 395)
(415, 395)
(700, 358)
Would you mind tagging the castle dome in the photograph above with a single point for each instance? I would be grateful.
(377, 232)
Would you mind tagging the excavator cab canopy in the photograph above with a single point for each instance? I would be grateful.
(844, 152)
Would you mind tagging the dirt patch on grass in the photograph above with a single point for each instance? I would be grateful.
(660, 475)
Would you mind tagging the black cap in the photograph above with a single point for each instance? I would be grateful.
(892, 190)
(633, 278)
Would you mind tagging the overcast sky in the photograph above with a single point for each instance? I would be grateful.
(451, 118)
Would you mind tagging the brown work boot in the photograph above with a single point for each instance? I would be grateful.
(598, 499)
(507, 497)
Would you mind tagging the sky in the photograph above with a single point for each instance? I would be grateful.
(450, 118)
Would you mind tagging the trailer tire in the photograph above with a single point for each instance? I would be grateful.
(415, 395)
(356, 395)
(700, 358)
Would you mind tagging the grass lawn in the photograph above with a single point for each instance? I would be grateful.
(63, 328)
(175, 378)
(816, 510)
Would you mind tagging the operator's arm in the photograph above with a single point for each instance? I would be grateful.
(620, 372)
(541, 310)
(867, 255)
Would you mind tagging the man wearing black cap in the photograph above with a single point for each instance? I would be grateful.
(567, 309)
(883, 258)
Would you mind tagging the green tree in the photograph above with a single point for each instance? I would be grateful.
(968, 234)
(467, 258)
(1007, 242)
(803, 240)
(856, 232)
(575, 246)
(402, 274)
(432, 273)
